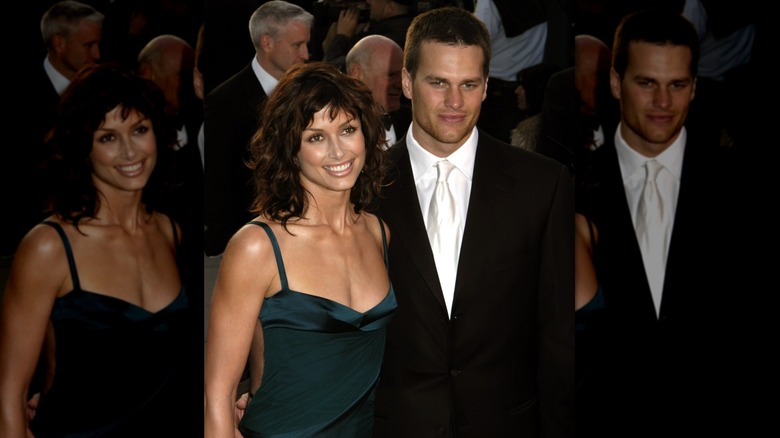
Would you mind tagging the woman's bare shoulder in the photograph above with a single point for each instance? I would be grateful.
(251, 240)
(43, 243)
(40, 261)
(246, 263)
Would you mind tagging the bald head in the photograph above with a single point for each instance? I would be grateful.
(377, 61)
(165, 60)
(592, 62)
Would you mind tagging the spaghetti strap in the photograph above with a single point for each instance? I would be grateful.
(277, 252)
(74, 275)
(384, 241)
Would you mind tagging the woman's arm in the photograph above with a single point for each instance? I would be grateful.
(37, 274)
(247, 273)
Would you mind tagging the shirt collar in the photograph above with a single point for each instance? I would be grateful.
(671, 158)
(58, 80)
(267, 81)
(462, 158)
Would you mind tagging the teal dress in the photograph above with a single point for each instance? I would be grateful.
(322, 362)
(120, 369)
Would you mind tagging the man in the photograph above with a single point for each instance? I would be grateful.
(168, 61)
(72, 32)
(280, 32)
(390, 18)
(482, 341)
(665, 251)
(377, 61)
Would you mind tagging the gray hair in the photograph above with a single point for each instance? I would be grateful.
(63, 17)
(271, 17)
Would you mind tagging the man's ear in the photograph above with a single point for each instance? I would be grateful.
(406, 83)
(58, 43)
(146, 71)
(484, 92)
(614, 83)
(355, 71)
(266, 43)
(693, 92)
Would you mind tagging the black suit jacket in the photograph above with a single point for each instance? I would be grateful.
(24, 183)
(231, 117)
(502, 365)
(654, 369)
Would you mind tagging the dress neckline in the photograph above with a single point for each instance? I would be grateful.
(281, 293)
(123, 302)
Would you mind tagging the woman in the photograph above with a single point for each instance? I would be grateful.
(98, 279)
(312, 265)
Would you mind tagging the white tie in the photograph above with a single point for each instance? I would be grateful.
(444, 232)
(651, 224)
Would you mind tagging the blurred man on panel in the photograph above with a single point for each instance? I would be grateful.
(664, 210)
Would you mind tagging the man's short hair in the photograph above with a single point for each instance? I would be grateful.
(448, 25)
(272, 17)
(656, 26)
(63, 17)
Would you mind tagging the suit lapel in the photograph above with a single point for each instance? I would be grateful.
(616, 230)
(401, 209)
(490, 185)
(689, 221)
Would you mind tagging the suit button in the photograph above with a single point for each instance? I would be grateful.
(442, 431)
(454, 373)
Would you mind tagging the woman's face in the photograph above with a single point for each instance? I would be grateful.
(332, 152)
(124, 151)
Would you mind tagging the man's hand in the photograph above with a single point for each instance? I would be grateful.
(347, 23)
(241, 406)
(32, 407)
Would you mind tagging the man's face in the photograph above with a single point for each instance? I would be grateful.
(446, 93)
(79, 49)
(288, 49)
(654, 95)
(383, 77)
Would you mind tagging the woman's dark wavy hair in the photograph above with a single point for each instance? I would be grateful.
(94, 92)
(304, 90)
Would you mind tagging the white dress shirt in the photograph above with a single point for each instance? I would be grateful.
(390, 138)
(668, 182)
(58, 80)
(510, 55)
(424, 173)
(267, 81)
